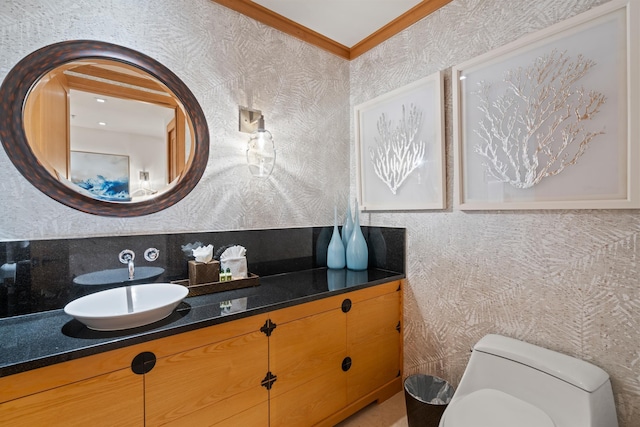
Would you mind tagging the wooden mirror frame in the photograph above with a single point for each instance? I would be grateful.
(29, 70)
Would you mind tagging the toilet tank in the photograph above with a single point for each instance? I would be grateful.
(573, 392)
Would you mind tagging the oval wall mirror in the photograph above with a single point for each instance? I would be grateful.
(102, 128)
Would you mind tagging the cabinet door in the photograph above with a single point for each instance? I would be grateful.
(257, 416)
(114, 399)
(208, 384)
(306, 357)
(374, 344)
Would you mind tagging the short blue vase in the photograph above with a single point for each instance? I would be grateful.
(335, 251)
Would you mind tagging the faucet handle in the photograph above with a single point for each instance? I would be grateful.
(151, 254)
(126, 255)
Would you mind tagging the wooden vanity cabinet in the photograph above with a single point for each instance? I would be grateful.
(310, 364)
(332, 357)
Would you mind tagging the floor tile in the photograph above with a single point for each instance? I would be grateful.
(390, 413)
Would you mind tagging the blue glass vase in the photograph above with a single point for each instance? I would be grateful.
(335, 252)
(357, 251)
(347, 228)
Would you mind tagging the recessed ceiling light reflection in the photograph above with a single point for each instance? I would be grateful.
(102, 123)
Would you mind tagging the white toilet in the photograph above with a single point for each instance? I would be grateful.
(511, 383)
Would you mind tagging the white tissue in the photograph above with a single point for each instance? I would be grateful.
(236, 251)
(234, 258)
(203, 253)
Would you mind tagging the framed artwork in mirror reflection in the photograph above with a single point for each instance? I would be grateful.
(550, 121)
(400, 148)
(103, 176)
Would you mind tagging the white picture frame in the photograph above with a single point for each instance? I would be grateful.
(511, 153)
(400, 156)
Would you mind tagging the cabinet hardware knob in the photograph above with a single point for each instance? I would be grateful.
(346, 305)
(143, 363)
(268, 380)
(268, 327)
(346, 364)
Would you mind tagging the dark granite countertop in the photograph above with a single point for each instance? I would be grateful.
(36, 340)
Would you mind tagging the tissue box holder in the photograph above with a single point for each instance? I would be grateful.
(210, 288)
(203, 272)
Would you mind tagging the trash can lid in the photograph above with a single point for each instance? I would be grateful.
(494, 408)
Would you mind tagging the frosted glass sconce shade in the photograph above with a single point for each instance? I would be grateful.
(261, 152)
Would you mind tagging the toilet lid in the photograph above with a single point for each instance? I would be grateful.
(494, 408)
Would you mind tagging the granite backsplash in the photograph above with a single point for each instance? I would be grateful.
(38, 275)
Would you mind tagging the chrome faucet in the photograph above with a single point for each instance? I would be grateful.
(126, 257)
(131, 269)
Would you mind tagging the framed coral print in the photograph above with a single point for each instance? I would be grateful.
(551, 121)
(400, 148)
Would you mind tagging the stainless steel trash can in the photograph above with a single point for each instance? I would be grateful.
(426, 398)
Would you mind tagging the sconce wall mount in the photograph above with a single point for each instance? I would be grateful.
(261, 150)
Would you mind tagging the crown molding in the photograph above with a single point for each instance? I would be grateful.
(279, 22)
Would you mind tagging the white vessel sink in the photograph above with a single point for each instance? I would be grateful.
(118, 276)
(127, 307)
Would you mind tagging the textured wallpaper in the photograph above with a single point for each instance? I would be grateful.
(566, 280)
(227, 60)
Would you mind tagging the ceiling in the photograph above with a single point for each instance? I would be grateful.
(107, 113)
(344, 21)
(346, 28)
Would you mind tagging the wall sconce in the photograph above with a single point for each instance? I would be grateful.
(261, 150)
(145, 185)
(144, 180)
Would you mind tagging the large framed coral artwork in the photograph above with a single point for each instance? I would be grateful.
(551, 121)
(400, 148)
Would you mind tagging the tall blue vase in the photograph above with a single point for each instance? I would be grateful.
(335, 251)
(347, 228)
(357, 251)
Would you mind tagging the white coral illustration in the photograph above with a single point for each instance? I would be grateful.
(398, 150)
(536, 128)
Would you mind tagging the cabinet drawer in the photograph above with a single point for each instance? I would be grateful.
(114, 399)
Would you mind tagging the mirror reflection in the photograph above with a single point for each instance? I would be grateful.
(108, 130)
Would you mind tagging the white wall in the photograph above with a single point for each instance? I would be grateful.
(567, 280)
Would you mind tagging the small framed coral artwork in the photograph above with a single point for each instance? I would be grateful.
(551, 121)
(400, 148)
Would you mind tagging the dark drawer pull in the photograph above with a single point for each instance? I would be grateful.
(143, 363)
(346, 364)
